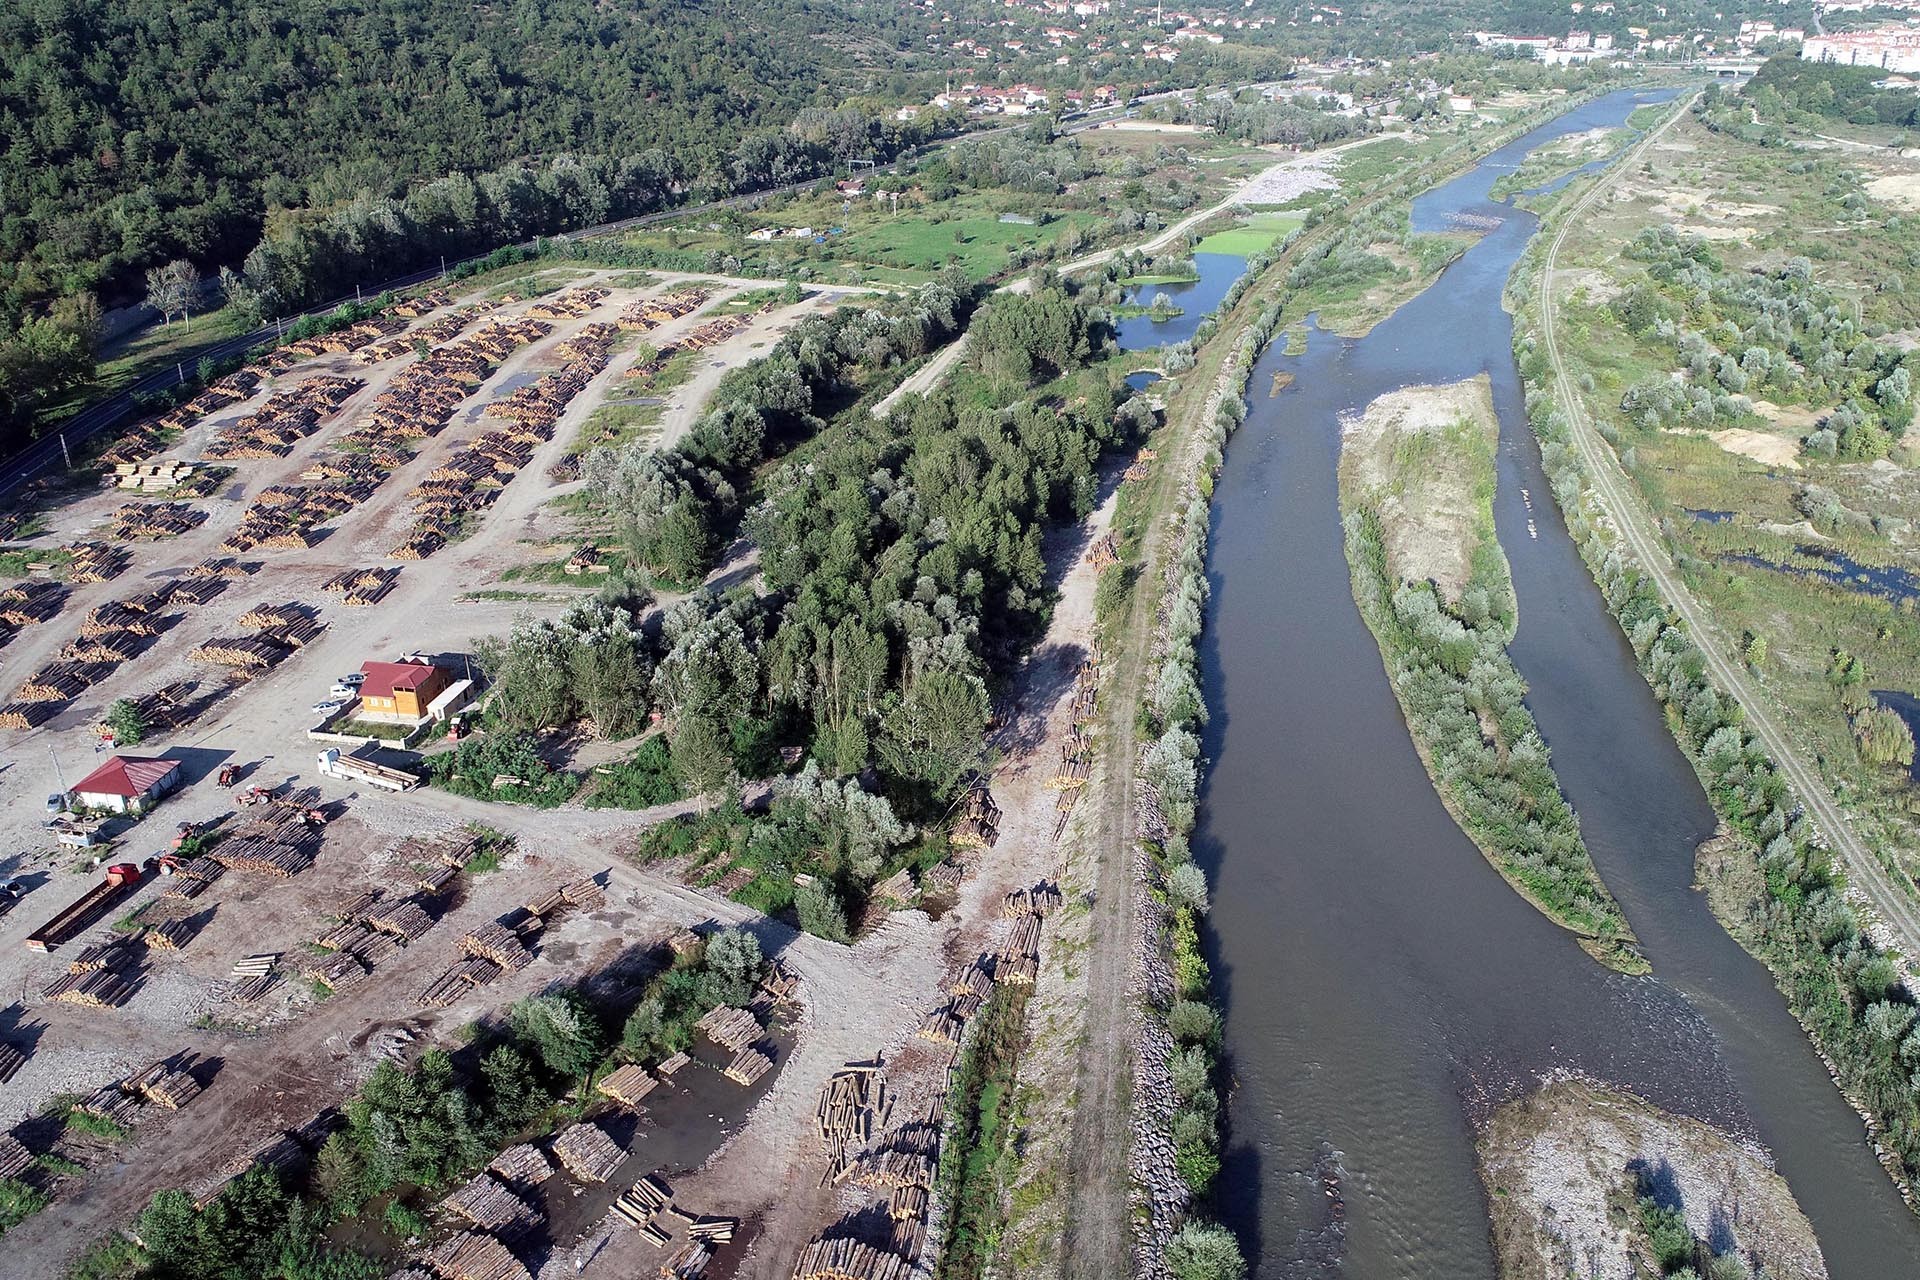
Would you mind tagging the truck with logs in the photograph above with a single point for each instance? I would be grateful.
(360, 769)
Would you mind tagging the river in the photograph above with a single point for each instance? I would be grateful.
(1383, 985)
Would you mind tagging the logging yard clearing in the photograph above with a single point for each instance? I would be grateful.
(334, 926)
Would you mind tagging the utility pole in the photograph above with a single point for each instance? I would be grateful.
(66, 452)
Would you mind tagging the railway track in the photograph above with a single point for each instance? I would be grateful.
(1870, 880)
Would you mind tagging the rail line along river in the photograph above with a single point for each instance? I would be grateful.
(1382, 983)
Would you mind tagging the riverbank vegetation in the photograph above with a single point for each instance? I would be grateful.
(1557, 159)
(1750, 367)
(1583, 1178)
(1416, 486)
(974, 1145)
(1774, 883)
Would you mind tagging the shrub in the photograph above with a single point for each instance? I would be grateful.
(1191, 1022)
(1204, 1251)
(820, 911)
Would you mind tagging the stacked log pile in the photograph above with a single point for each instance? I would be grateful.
(351, 338)
(190, 881)
(110, 1103)
(713, 333)
(166, 1084)
(96, 561)
(457, 981)
(473, 1255)
(585, 1151)
(850, 1102)
(489, 1205)
(1139, 470)
(362, 587)
(849, 1260)
(283, 631)
(1019, 961)
(627, 1085)
(641, 317)
(150, 477)
(688, 1262)
(288, 417)
(1077, 751)
(101, 976)
(14, 1158)
(1104, 553)
(285, 516)
(730, 1028)
(496, 942)
(148, 437)
(779, 981)
(521, 1166)
(1041, 900)
(223, 567)
(747, 1066)
(978, 826)
(62, 681)
(944, 877)
(570, 305)
(652, 365)
(12, 1058)
(433, 333)
(421, 304)
(24, 604)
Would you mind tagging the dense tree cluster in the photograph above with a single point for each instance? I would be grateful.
(1740, 335)
(675, 508)
(328, 147)
(1791, 90)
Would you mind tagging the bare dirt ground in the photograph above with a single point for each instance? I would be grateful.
(1564, 1165)
(1396, 456)
(1763, 447)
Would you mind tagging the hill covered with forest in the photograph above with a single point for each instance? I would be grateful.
(142, 130)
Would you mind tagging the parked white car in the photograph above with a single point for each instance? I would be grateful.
(329, 706)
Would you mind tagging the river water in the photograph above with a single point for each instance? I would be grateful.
(1383, 984)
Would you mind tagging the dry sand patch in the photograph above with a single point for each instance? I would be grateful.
(1425, 496)
(1556, 1162)
(1763, 447)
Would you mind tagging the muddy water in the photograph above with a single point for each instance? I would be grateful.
(1382, 983)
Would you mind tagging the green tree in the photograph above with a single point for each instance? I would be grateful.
(124, 721)
(820, 911)
(936, 733)
(560, 1032)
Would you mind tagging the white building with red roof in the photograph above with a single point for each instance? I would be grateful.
(126, 784)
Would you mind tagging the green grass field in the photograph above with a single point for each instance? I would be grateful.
(1256, 233)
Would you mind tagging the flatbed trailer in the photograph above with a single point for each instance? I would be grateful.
(85, 911)
(360, 769)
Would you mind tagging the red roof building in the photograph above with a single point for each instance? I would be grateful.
(401, 689)
(127, 784)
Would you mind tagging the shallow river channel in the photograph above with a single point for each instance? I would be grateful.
(1383, 984)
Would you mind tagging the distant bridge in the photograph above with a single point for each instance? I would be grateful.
(1726, 68)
